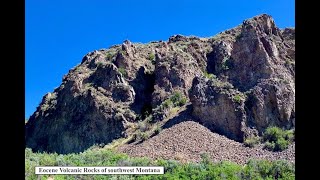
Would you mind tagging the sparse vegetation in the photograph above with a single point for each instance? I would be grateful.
(109, 55)
(237, 98)
(169, 106)
(206, 169)
(252, 141)
(218, 83)
(152, 58)
(225, 66)
(158, 129)
(178, 99)
(167, 103)
(88, 85)
(130, 115)
(227, 63)
(209, 76)
(277, 139)
(123, 52)
(100, 64)
(118, 116)
(122, 71)
(144, 136)
(78, 69)
(239, 36)
(140, 136)
(289, 62)
(175, 100)
(143, 126)
(289, 135)
(173, 111)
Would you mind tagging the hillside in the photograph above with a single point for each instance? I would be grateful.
(176, 99)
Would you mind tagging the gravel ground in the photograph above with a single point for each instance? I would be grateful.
(187, 140)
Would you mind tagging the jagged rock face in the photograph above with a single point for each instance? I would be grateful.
(68, 126)
(99, 99)
(259, 62)
(271, 103)
(177, 63)
(216, 105)
(258, 51)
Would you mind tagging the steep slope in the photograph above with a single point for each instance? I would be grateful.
(239, 82)
(254, 83)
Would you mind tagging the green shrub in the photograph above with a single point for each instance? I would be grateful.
(109, 56)
(263, 169)
(281, 144)
(157, 130)
(167, 103)
(237, 98)
(290, 62)
(182, 101)
(140, 136)
(178, 99)
(209, 76)
(152, 58)
(252, 141)
(122, 71)
(254, 169)
(278, 139)
(270, 145)
(283, 169)
(123, 52)
(143, 136)
(273, 133)
(143, 126)
(205, 159)
(149, 119)
(289, 135)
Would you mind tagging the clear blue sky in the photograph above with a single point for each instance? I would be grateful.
(60, 32)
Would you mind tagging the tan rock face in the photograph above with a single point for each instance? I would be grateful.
(253, 87)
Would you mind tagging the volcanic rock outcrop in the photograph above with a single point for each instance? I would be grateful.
(239, 82)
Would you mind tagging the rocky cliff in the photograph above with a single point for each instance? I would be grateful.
(238, 83)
